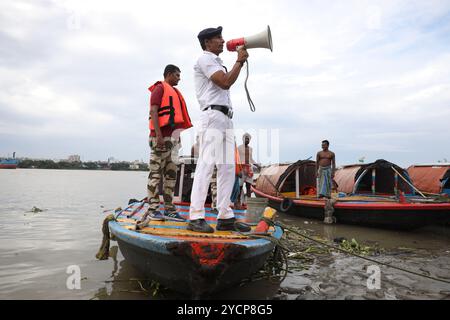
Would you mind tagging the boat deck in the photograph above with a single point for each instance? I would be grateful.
(187, 261)
(366, 201)
(172, 229)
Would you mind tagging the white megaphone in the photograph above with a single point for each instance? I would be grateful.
(259, 40)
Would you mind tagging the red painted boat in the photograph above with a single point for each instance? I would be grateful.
(370, 195)
(8, 163)
(193, 263)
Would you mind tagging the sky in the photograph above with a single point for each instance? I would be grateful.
(372, 77)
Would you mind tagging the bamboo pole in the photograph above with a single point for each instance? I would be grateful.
(409, 183)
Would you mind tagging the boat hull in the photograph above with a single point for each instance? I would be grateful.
(181, 270)
(8, 163)
(191, 263)
(8, 166)
(410, 219)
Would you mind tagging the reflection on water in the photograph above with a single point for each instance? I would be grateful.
(37, 247)
(123, 283)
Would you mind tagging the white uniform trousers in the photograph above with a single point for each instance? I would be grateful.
(217, 147)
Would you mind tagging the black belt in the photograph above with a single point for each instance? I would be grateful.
(224, 109)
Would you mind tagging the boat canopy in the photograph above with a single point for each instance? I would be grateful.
(431, 178)
(298, 177)
(379, 177)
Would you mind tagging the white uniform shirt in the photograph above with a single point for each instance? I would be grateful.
(208, 93)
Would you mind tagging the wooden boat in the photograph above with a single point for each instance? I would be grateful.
(431, 178)
(370, 195)
(190, 262)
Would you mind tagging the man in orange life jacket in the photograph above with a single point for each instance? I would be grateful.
(168, 117)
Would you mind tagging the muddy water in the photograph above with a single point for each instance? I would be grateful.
(36, 248)
(337, 275)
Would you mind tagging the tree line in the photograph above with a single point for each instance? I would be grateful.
(89, 165)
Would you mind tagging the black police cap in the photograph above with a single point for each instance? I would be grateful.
(209, 33)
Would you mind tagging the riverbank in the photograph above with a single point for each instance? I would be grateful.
(322, 273)
(90, 165)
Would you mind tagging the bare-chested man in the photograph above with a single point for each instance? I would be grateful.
(325, 166)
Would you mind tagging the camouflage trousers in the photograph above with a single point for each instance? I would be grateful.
(214, 189)
(162, 166)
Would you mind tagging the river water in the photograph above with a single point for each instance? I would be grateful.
(37, 248)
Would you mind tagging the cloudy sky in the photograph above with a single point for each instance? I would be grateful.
(373, 77)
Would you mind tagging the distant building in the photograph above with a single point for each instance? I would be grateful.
(136, 165)
(103, 165)
(74, 158)
(112, 160)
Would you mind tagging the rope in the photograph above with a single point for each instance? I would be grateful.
(103, 252)
(279, 253)
(118, 213)
(249, 99)
(138, 208)
(362, 257)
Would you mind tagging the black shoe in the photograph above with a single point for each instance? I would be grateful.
(232, 225)
(200, 225)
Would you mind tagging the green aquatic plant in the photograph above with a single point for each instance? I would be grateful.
(155, 287)
(354, 247)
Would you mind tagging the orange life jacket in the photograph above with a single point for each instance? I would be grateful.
(173, 111)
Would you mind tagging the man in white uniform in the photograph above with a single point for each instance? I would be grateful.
(217, 146)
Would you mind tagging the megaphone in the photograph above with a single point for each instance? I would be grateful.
(259, 40)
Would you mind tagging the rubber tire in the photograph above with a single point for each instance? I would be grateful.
(286, 205)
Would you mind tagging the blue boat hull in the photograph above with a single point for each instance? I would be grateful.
(194, 265)
(181, 272)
